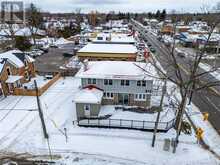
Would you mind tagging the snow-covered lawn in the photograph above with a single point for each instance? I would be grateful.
(166, 115)
(20, 131)
(207, 68)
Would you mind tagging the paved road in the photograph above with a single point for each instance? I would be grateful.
(207, 100)
(51, 61)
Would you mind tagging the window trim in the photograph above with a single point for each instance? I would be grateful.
(141, 83)
(125, 82)
(91, 81)
(108, 82)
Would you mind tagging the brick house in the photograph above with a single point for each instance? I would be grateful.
(16, 68)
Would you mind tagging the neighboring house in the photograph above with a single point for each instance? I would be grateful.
(113, 83)
(113, 52)
(112, 38)
(16, 68)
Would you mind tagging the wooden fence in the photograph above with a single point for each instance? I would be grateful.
(32, 92)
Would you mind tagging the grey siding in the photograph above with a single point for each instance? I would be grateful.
(95, 109)
(117, 88)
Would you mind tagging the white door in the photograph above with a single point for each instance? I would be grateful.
(87, 110)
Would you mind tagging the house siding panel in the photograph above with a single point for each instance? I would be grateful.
(94, 112)
(117, 88)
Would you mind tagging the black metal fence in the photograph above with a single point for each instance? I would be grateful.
(126, 124)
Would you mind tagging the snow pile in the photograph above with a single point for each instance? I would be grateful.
(211, 137)
(62, 41)
(73, 63)
(207, 68)
(166, 115)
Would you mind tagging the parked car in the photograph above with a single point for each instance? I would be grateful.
(45, 48)
(53, 46)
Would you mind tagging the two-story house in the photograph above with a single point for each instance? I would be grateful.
(113, 83)
(16, 68)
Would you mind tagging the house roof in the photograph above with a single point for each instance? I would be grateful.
(2, 63)
(12, 79)
(16, 57)
(115, 38)
(89, 95)
(108, 48)
(118, 70)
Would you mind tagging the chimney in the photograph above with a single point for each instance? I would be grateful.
(85, 65)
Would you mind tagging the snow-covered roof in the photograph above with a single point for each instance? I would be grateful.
(2, 63)
(12, 79)
(21, 32)
(89, 95)
(114, 38)
(30, 59)
(9, 55)
(13, 59)
(118, 70)
(108, 48)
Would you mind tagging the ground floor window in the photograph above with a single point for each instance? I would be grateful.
(140, 97)
(108, 95)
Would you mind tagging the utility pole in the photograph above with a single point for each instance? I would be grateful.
(158, 114)
(41, 112)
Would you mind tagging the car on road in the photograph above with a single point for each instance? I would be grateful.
(149, 45)
(152, 50)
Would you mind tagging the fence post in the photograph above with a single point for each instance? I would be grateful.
(143, 124)
(88, 121)
(120, 122)
(131, 123)
(98, 122)
(109, 122)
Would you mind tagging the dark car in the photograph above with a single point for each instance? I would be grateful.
(149, 45)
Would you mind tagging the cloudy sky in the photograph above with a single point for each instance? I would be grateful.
(121, 5)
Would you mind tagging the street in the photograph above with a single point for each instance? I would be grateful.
(207, 100)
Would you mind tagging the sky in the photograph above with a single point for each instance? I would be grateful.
(122, 5)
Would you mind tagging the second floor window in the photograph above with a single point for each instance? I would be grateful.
(91, 81)
(108, 82)
(141, 83)
(125, 83)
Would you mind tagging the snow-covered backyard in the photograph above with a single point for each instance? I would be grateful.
(166, 115)
(21, 132)
(41, 81)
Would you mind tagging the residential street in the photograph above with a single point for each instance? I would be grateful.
(205, 100)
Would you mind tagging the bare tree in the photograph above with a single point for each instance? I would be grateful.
(34, 21)
(9, 30)
(187, 83)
